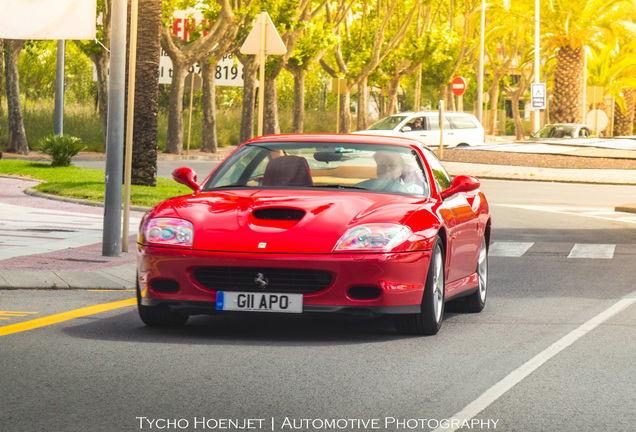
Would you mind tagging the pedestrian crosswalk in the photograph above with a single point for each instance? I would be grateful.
(514, 249)
(29, 230)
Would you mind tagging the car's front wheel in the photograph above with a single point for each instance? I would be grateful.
(429, 320)
(159, 316)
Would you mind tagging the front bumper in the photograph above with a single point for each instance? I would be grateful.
(396, 279)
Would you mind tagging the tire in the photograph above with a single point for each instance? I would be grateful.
(159, 316)
(429, 320)
(476, 301)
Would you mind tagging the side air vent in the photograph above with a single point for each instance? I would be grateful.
(279, 214)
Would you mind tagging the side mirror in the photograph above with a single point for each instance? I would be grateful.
(461, 183)
(186, 176)
(406, 129)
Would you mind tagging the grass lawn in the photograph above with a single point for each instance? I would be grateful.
(86, 183)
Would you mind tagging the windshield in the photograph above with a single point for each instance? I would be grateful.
(388, 123)
(342, 166)
(555, 131)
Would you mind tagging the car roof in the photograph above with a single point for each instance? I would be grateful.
(338, 138)
(434, 112)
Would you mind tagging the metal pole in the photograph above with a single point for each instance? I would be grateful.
(480, 77)
(441, 129)
(338, 105)
(58, 127)
(130, 120)
(261, 93)
(115, 131)
(190, 113)
(537, 72)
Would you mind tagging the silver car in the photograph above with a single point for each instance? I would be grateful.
(562, 131)
(460, 129)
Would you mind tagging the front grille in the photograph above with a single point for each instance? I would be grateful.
(277, 280)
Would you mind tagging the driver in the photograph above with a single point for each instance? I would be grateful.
(389, 165)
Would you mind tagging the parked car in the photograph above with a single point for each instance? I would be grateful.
(460, 129)
(349, 224)
(562, 131)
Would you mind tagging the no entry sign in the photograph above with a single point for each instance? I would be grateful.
(458, 86)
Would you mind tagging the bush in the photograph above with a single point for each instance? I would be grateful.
(61, 148)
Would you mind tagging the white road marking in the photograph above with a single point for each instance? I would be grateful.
(509, 249)
(29, 230)
(515, 377)
(597, 251)
(605, 213)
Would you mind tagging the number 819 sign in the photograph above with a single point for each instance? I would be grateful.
(229, 71)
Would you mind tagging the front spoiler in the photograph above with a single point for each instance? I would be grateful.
(209, 308)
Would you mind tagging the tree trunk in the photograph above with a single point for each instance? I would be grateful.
(629, 95)
(418, 89)
(493, 95)
(622, 123)
(363, 113)
(17, 136)
(250, 68)
(174, 139)
(1, 73)
(101, 66)
(345, 112)
(391, 95)
(568, 85)
(270, 112)
(145, 125)
(209, 141)
(298, 115)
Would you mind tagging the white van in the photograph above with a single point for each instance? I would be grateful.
(460, 129)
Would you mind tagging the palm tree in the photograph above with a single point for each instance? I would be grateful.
(145, 127)
(568, 26)
(612, 67)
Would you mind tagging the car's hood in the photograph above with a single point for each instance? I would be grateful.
(298, 221)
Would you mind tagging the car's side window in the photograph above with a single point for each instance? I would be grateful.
(432, 122)
(462, 122)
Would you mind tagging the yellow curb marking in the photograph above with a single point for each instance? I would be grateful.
(65, 316)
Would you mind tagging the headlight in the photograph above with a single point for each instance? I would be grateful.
(169, 231)
(373, 238)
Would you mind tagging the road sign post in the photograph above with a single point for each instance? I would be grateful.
(338, 86)
(263, 40)
(458, 87)
(537, 96)
(193, 82)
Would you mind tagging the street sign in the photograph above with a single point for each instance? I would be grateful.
(273, 43)
(458, 86)
(537, 96)
(190, 84)
(597, 120)
(229, 71)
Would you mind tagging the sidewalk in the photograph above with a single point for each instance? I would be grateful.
(80, 265)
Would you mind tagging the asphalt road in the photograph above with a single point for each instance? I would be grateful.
(552, 351)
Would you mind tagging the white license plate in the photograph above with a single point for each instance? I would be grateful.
(259, 302)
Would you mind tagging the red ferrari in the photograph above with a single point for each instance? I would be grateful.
(350, 224)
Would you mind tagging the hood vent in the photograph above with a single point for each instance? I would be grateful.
(287, 214)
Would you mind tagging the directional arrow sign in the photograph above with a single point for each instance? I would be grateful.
(537, 95)
(273, 43)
